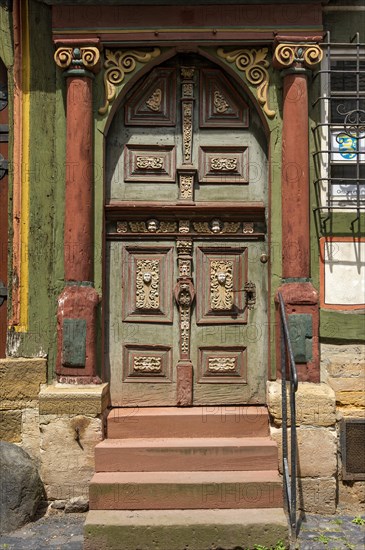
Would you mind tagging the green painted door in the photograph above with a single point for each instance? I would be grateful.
(186, 212)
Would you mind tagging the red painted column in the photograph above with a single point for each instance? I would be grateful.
(77, 304)
(295, 178)
(296, 56)
(79, 180)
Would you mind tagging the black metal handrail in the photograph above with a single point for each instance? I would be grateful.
(290, 478)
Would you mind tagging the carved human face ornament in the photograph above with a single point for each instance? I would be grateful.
(152, 225)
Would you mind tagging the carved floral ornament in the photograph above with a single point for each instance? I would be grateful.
(254, 64)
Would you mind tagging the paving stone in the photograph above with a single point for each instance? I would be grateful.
(66, 532)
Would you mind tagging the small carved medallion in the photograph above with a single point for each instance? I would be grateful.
(154, 101)
(184, 268)
(147, 284)
(184, 247)
(186, 186)
(147, 363)
(221, 364)
(220, 103)
(187, 90)
(248, 228)
(221, 285)
(122, 227)
(184, 226)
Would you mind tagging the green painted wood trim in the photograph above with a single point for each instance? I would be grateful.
(339, 325)
(6, 30)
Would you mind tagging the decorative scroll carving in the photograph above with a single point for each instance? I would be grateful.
(187, 90)
(187, 131)
(147, 284)
(230, 227)
(201, 227)
(221, 285)
(221, 105)
(84, 57)
(119, 63)
(214, 227)
(224, 164)
(147, 363)
(254, 64)
(151, 226)
(154, 101)
(306, 54)
(149, 163)
(222, 364)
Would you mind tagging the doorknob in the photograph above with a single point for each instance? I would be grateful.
(250, 289)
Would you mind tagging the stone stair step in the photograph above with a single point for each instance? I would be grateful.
(182, 454)
(185, 490)
(181, 529)
(214, 421)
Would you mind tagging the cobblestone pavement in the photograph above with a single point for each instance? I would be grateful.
(64, 532)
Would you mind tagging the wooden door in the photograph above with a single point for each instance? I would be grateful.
(186, 272)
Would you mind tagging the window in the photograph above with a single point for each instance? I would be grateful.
(340, 136)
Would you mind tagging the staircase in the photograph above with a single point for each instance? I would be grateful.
(199, 478)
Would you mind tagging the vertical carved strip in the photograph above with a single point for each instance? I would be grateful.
(184, 295)
(187, 104)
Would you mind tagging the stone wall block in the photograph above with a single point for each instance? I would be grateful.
(317, 495)
(20, 379)
(315, 404)
(11, 426)
(68, 463)
(316, 451)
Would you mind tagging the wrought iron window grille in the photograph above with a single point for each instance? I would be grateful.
(339, 158)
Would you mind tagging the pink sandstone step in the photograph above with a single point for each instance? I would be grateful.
(213, 421)
(185, 490)
(182, 454)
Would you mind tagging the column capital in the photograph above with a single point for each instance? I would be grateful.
(298, 54)
(78, 57)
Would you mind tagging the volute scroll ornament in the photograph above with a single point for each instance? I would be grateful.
(78, 58)
(305, 54)
(254, 63)
(119, 63)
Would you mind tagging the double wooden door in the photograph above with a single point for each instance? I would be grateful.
(186, 271)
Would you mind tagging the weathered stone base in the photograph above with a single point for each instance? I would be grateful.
(58, 425)
(177, 529)
(320, 408)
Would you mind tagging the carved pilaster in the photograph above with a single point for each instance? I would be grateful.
(184, 296)
(187, 106)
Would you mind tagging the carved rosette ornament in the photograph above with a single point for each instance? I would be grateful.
(119, 63)
(78, 60)
(299, 55)
(254, 64)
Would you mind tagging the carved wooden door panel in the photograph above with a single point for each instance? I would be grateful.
(186, 272)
